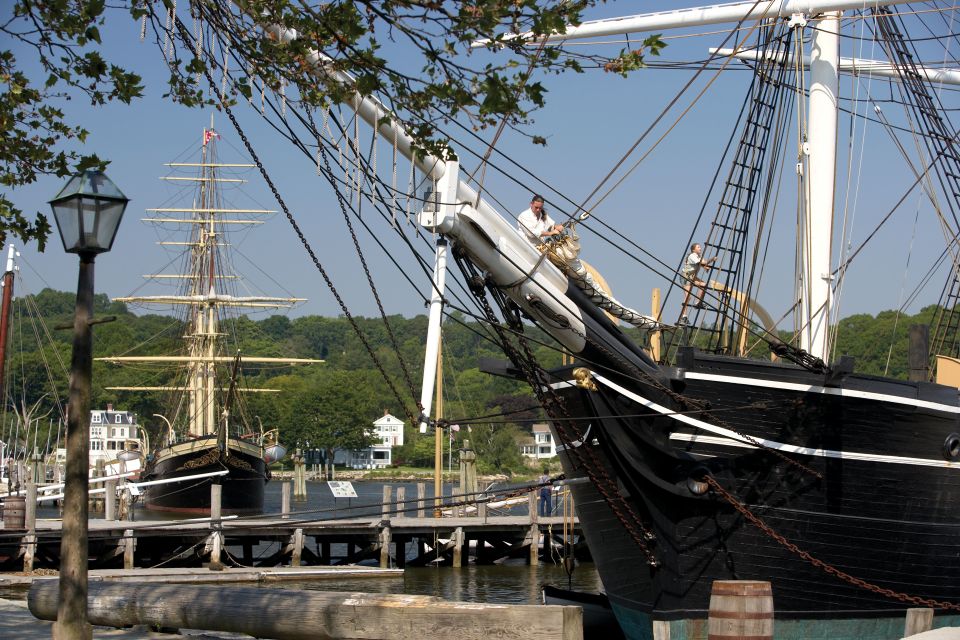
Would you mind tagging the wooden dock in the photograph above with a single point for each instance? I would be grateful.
(395, 539)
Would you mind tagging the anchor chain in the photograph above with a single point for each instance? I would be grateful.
(556, 409)
(756, 521)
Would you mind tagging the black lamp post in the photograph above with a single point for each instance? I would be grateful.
(88, 211)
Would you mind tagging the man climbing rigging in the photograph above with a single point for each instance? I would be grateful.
(688, 271)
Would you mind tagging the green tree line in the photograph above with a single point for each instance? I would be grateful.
(331, 405)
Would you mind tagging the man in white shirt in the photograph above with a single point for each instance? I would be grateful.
(689, 272)
(536, 224)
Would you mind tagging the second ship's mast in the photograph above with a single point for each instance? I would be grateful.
(202, 294)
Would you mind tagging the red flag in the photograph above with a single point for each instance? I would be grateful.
(208, 135)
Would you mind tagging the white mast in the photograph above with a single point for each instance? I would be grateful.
(700, 16)
(821, 152)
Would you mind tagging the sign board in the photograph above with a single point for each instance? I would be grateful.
(342, 489)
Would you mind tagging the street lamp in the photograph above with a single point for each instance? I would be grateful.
(88, 211)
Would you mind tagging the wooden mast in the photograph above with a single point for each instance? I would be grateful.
(5, 317)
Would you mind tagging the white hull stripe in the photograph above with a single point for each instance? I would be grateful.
(827, 391)
(739, 440)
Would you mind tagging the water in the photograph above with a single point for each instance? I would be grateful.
(513, 582)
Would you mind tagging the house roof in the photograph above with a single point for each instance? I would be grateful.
(541, 427)
(387, 419)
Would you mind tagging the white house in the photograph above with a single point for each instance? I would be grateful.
(542, 444)
(388, 432)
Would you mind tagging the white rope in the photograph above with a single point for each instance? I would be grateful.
(167, 41)
(393, 182)
(198, 38)
(325, 126)
(372, 177)
(356, 153)
(226, 67)
(410, 187)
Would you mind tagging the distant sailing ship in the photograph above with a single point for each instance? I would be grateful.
(205, 433)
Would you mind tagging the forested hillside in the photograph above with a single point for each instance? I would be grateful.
(329, 404)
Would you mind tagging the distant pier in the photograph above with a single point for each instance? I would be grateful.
(403, 535)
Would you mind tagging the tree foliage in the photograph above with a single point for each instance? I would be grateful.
(415, 56)
(333, 405)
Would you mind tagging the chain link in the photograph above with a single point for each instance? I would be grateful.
(366, 269)
(556, 409)
(756, 521)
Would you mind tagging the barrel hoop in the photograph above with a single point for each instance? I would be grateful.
(742, 615)
(741, 589)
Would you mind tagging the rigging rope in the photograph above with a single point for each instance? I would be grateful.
(296, 227)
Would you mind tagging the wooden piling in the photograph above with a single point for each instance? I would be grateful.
(126, 505)
(129, 549)
(918, 621)
(385, 506)
(534, 544)
(296, 541)
(458, 547)
(216, 492)
(302, 615)
(285, 500)
(401, 502)
(385, 547)
(421, 494)
(29, 544)
(532, 506)
(110, 501)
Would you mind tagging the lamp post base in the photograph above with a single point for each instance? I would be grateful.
(72, 631)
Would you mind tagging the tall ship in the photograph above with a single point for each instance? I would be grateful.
(720, 443)
(205, 429)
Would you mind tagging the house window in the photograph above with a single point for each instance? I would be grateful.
(118, 418)
(95, 418)
(380, 455)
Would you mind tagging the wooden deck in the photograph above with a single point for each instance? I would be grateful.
(395, 539)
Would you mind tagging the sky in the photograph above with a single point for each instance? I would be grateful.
(590, 121)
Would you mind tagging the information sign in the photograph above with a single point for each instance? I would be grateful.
(342, 489)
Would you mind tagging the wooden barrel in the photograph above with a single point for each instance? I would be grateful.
(14, 512)
(740, 610)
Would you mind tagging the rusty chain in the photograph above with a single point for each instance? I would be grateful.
(756, 521)
(556, 409)
(363, 261)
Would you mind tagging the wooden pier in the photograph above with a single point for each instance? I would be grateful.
(403, 535)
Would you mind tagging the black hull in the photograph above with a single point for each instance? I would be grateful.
(243, 486)
(883, 509)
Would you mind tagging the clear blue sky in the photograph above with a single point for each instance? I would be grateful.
(590, 120)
